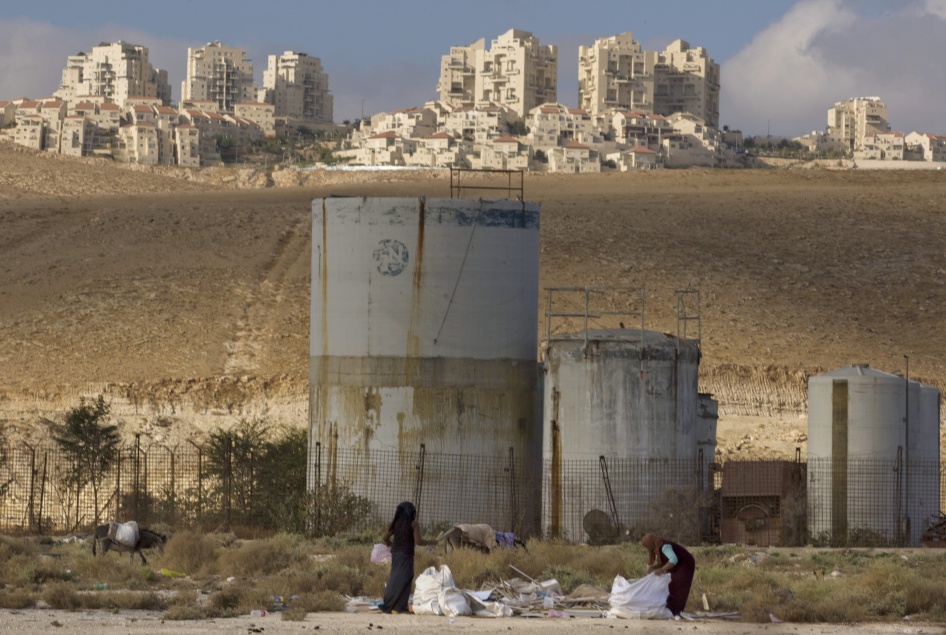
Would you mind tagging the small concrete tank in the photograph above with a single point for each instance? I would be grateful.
(423, 332)
(626, 398)
(866, 484)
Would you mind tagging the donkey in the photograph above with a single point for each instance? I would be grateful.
(147, 539)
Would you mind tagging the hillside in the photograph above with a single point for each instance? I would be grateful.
(183, 296)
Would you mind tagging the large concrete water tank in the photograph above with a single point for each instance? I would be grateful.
(624, 403)
(423, 332)
(866, 484)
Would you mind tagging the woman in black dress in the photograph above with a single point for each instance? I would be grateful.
(401, 536)
(664, 556)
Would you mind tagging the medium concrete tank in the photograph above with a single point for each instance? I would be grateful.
(866, 483)
(423, 332)
(624, 403)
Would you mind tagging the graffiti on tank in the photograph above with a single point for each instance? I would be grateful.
(391, 257)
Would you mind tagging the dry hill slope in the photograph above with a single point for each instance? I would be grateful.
(187, 302)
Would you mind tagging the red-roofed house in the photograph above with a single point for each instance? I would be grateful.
(883, 146)
(503, 153)
(552, 125)
(575, 158)
(927, 146)
(7, 113)
(637, 158)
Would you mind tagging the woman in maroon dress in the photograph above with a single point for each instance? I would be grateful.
(664, 556)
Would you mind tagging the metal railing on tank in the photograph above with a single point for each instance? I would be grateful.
(597, 308)
(458, 186)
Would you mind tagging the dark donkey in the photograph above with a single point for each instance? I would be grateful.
(147, 539)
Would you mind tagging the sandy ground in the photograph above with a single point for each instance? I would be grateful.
(107, 623)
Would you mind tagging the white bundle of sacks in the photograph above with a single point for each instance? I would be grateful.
(435, 593)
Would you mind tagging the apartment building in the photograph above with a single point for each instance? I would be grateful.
(503, 153)
(553, 124)
(7, 112)
(262, 113)
(406, 122)
(616, 73)
(187, 145)
(639, 128)
(882, 146)
(478, 124)
(218, 73)
(439, 150)
(926, 146)
(636, 158)
(30, 131)
(849, 122)
(115, 72)
(574, 158)
(297, 86)
(78, 133)
(517, 71)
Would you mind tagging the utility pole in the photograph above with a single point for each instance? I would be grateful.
(906, 443)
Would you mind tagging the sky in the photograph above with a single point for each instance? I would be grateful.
(783, 62)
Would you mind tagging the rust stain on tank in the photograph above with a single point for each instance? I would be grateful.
(417, 288)
(320, 390)
(555, 485)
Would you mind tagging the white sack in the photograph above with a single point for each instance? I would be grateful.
(125, 534)
(427, 588)
(643, 599)
(453, 602)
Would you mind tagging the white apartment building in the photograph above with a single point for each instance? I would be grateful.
(78, 133)
(517, 71)
(637, 158)
(926, 146)
(553, 124)
(218, 73)
(187, 145)
(407, 123)
(882, 146)
(115, 72)
(298, 87)
(503, 153)
(30, 131)
(574, 158)
(616, 72)
(639, 128)
(478, 124)
(262, 113)
(7, 111)
(850, 121)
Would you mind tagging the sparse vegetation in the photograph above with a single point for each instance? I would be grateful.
(295, 576)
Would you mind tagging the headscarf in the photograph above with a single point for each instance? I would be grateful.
(405, 512)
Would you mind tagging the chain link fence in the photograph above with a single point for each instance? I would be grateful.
(864, 502)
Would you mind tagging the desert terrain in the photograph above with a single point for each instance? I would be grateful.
(182, 296)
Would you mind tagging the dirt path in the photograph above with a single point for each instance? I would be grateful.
(123, 622)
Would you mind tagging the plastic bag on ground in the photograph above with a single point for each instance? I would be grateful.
(380, 553)
(643, 599)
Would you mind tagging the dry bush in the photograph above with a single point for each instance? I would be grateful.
(127, 600)
(294, 614)
(320, 601)
(62, 596)
(16, 598)
(265, 556)
(187, 609)
(193, 553)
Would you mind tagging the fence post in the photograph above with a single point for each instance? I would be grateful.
(227, 480)
(29, 509)
(137, 479)
(200, 478)
(513, 507)
(419, 482)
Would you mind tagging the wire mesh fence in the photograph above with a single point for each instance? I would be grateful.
(857, 502)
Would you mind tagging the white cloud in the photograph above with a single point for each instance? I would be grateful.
(825, 51)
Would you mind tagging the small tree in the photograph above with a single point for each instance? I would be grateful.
(90, 444)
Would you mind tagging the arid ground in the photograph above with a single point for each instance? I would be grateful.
(183, 296)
